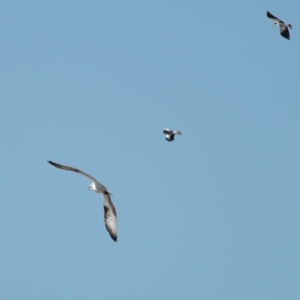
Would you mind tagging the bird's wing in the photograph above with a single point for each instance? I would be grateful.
(284, 32)
(77, 171)
(110, 216)
(171, 137)
(269, 15)
(168, 131)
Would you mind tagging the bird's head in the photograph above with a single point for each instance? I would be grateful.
(290, 26)
(90, 187)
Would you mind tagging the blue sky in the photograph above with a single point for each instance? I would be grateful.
(92, 84)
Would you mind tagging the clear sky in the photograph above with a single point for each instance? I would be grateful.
(92, 84)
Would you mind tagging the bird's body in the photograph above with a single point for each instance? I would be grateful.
(284, 31)
(170, 134)
(110, 214)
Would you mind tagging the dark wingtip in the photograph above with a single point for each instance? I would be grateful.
(269, 15)
(53, 163)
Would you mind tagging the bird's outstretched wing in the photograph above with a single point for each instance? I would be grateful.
(167, 131)
(67, 168)
(110, 216)
(269, 15)
(71, 169)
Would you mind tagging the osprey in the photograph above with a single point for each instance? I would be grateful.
(170, 134)
(110, 214)
(282, 26)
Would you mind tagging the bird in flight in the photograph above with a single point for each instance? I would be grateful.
(170, 134)
(110, 214)
(284, 31)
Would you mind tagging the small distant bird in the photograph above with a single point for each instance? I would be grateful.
(282, 26)
(110, 214)
(170, 134)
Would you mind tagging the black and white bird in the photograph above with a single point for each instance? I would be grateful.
(110, 214)
(170, 134)
(284, 31)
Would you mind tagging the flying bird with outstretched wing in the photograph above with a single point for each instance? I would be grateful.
(170, 134)
(110, 214)
(284, 31)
